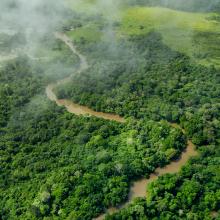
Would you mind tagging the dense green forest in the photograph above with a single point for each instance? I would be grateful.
(145, 76)
(57, 165)
(141, 77)
(52, 161)
(14, 90)
(192, 194)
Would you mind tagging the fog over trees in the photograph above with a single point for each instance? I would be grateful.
(152, 66)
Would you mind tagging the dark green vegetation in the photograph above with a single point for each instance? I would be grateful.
(146, 75)
(143, 78)
(10, 42)
(192, 194)
(55, 165)
(18, 85)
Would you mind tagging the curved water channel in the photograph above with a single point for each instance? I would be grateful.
(71, 106)
(138, 189)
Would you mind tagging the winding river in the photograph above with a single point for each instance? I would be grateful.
(138, 189)
(70, 106)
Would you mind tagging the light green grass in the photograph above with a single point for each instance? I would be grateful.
(89, 33)
(83, 6)
(182, 31)
(195, 34)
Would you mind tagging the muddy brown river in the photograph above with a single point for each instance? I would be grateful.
(138, 189)
(70, 106)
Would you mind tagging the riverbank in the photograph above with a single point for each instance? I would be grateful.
(138, 189)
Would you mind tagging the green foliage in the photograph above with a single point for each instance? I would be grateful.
(145, 79)
(14, 90)
(186, 92)
(192, 194)
(10, 42)
(195, 34)
(55, 165)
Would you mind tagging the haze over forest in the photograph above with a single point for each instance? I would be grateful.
(109, 109)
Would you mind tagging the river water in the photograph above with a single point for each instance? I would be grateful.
(138, 189)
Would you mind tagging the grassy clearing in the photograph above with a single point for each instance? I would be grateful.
(190, 33)
(87, 33)
(195, 34)
(84, 6)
